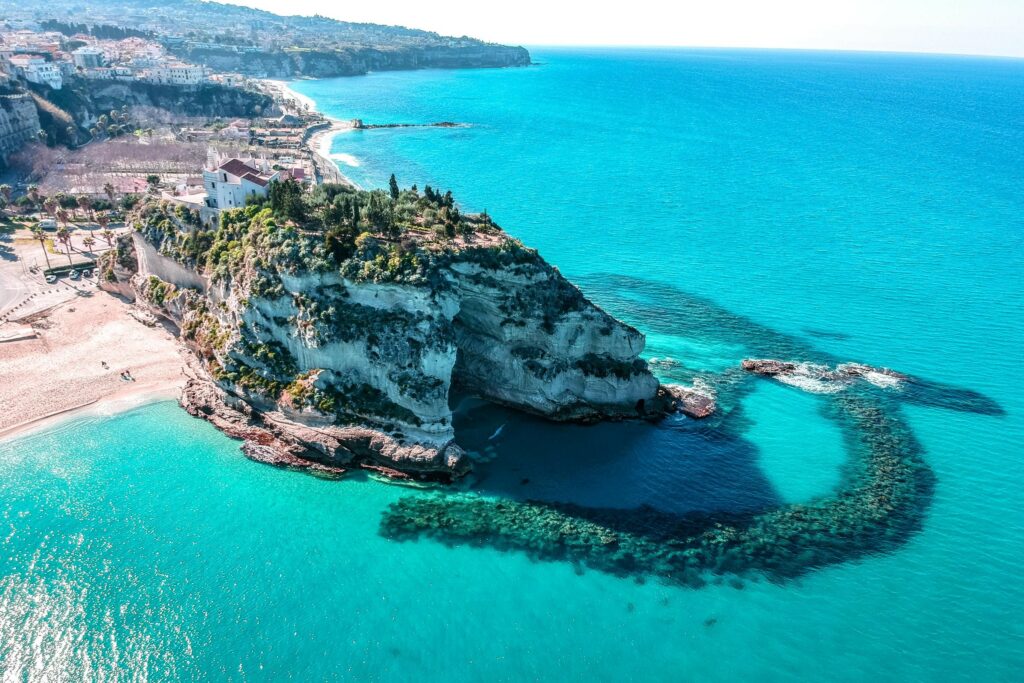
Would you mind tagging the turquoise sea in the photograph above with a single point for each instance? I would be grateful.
(840, 207)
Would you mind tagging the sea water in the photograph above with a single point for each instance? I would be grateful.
(865, 207)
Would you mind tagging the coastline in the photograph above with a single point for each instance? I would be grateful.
(59, 374)
(54, 373)
(107, 406)
(320, 141)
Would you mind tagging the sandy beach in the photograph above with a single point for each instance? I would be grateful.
(322, 140)
(60, 371)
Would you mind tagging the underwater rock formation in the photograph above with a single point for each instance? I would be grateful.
(695, 402)
(882, 502)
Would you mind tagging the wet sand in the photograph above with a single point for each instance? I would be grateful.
(61, 371)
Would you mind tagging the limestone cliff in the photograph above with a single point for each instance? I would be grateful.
(19, 123)
(85, 100)
(378, 336)
(355, 61)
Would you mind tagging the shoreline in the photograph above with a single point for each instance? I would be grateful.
(320, 141)
(63, 372)
(107, 406)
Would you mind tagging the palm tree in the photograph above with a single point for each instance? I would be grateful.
(83, 203)
(88, 242)
(62, 217)
(5, 192)
(108, 188)
(108, 237)
(33, 194)
(64, 235)
(50, 206)
(38, 234)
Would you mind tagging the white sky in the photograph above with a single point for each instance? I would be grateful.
(992, 27)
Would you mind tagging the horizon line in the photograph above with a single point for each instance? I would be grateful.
(751, 48)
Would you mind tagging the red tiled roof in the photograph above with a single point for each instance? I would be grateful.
(239, 168)
(256, 179)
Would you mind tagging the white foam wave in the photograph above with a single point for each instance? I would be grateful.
(347, 159)
(882, 380)
(811, 384)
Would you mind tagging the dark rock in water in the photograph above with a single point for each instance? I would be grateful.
(692, 402)
(631, 607)
(524, 482)
(822, 378)
(861, 370)
(768, 368)
(358, 124)
(710, 621)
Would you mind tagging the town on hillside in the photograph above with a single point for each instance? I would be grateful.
(69, 177)
(185, 103)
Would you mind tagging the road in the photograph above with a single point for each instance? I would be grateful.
(13, 287)
(17, 282)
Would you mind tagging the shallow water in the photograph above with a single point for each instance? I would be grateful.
(840, 207)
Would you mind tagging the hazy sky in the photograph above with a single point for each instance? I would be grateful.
(994, 27)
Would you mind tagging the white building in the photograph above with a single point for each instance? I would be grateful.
(231, 183)
(37, 70)
(88, 57)
(178, 74)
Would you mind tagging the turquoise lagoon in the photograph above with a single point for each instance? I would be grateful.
(850, 206)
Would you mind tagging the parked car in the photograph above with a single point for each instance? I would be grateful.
(87, 273)
(48, 224)
(75, 275)
(50, 279)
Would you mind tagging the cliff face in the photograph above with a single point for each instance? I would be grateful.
(527, 338)
(356, 61)
(19, 123)
(85, 100)
(354, 348)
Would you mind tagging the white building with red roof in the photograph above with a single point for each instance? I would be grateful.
(232, 183)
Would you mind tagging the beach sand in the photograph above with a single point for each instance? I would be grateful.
(321, 141)
(60, 372)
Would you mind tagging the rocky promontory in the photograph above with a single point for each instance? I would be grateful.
(333, 324)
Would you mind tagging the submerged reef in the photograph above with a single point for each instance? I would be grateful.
(881, 502)
(886, 490)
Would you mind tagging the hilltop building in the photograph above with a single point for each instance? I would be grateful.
(178, 74)
(35, 69)
(231, 183)
(88, 57)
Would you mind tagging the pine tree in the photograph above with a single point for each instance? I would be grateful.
(393, 184)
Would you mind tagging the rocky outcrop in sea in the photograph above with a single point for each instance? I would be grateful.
(354, 364)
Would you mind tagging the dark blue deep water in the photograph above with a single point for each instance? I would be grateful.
(844, 206)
